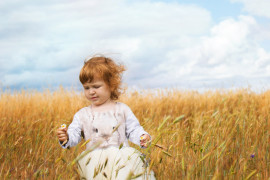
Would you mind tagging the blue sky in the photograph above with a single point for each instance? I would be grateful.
(187, 44)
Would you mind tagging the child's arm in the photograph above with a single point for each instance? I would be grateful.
(134, 131)
(74, 133)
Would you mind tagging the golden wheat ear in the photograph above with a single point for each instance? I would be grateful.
(65, 142)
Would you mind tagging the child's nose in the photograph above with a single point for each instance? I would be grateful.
(92, 91)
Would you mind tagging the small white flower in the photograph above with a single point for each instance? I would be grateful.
(63, 126)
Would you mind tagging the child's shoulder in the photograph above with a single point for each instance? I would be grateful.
(83, 111)
(120, 104)
(123, 106)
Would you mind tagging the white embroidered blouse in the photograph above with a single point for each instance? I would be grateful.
(101, 126)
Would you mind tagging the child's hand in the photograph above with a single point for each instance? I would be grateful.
(62, 134)
(144, 140)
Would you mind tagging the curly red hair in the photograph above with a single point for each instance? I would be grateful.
(103, 68)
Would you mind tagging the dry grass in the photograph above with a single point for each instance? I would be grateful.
(213, 135)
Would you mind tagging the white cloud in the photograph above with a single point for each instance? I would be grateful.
(49, 36)
(256, 7)
(230, 53)
(162, 44)
(41, 79)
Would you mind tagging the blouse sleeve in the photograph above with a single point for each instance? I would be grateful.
(74, 133)
(133, 128)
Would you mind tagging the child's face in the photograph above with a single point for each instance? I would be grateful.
(98, 92)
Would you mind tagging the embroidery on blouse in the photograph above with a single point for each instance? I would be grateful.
(114, 115)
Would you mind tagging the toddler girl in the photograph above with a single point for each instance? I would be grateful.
(108, 125)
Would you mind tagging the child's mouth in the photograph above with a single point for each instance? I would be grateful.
(93, 98)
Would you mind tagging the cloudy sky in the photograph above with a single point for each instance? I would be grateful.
(190, 44)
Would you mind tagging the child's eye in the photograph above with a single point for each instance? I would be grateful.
(86, 87)
(96, 87)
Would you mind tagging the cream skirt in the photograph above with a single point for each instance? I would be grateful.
(114, 163)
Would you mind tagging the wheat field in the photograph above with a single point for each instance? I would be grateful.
(220, 134)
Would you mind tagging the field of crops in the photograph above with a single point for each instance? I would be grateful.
(212, 135)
